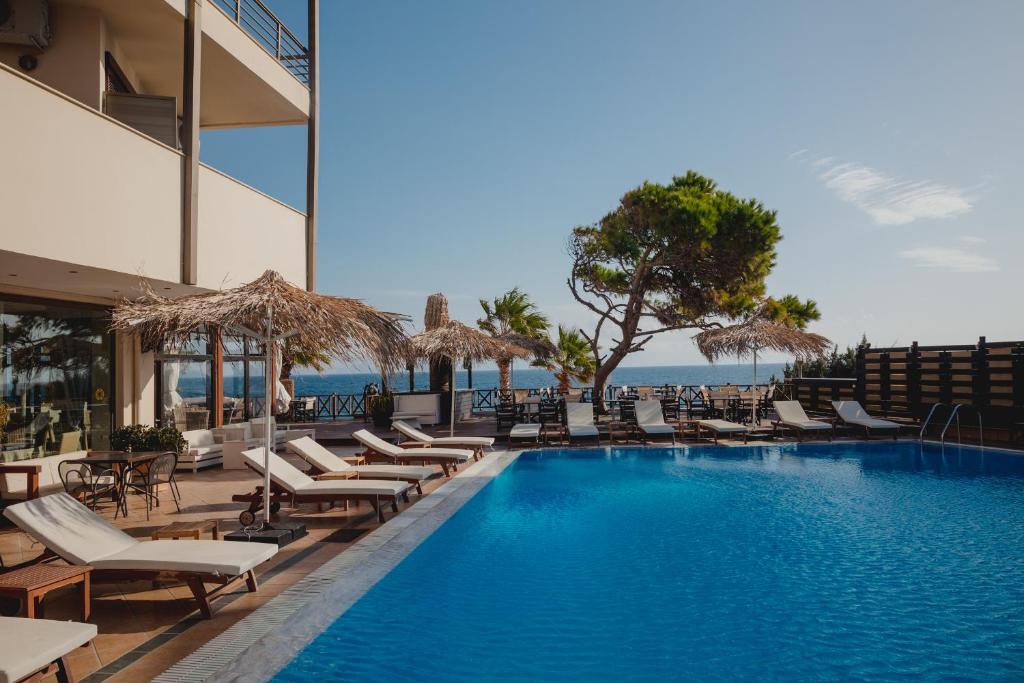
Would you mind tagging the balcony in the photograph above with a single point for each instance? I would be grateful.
(266, 29)
(88, 196)
(247, 78)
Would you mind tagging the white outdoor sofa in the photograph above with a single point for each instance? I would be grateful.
(206, 447)
(423, 407)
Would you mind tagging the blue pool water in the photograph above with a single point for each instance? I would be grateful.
(817, 562)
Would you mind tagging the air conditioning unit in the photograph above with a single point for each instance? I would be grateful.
(25, 22)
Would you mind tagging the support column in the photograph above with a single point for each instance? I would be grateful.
(312, 142)
(191, 83)
(217, 383)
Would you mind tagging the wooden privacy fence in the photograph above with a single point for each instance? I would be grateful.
(904, 382)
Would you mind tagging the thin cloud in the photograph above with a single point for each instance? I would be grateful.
(972, 239)
(888, 200)
(950, 258)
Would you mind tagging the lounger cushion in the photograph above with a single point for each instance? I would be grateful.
(379, 445)
(206, 557)
(722, 426)
(851, 412)
(807, 424)
(29, 645)
(294, 481)
(69, 528)
(583, 430)
(422, 437)
(353, 487)
(474, 441)
(873, 423)
(658, 429)
(525, 431)
(403, 472)
(579, 414)
(317, 456)
(457, 454)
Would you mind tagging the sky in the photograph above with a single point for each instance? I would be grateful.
(463, 140)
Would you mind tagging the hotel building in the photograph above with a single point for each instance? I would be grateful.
(102, 183)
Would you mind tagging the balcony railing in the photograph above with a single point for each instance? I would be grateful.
(258, 21)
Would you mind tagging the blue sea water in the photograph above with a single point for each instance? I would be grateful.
(811, 562)
(526, 377)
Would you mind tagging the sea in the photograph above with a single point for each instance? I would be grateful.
(526, 378)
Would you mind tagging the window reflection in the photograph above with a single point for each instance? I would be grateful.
(55, 378)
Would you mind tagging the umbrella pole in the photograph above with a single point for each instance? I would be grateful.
(451, 387)
(268, 410)
(753, 394)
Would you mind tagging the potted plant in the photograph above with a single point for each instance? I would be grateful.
(141, 438)
(381, 408)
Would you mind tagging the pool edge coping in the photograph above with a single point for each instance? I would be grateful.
(259, 645)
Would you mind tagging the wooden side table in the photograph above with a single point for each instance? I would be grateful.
(191, 530)
(355, 459)
(31, 584)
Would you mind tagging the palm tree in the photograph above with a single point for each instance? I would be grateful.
(572, 359)
(512, 317)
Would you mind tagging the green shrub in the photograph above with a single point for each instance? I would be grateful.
(144, 438)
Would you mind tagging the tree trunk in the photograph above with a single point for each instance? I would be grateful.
(604, 371)
(505, 375)
(563, 382)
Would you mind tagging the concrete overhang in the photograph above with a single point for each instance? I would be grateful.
(242, 84)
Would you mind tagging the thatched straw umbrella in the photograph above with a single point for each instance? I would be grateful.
(453, 341)
(755, 334)
(270, 309)
(436, 315)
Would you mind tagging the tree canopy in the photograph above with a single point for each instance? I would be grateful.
(675, 256)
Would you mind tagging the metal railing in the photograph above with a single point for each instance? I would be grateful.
(347, 406)
(253, 17)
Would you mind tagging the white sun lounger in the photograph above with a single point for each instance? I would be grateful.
(80, 536)
(720, 428)
(524, 432)
(290, 484)
(37, 648)
(579, 419)
(475, 443)
(378, 447)
(853, 414)
(791, 414)
(651, 420)
(327, 464)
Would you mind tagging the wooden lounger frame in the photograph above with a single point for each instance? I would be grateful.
(800, 431)
(57, 669)
(716, 433)
(194, 580)
(867, 430)
(282, 496)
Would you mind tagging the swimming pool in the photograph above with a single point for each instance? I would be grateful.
(831, 561)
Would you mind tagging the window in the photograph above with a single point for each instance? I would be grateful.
(243, 378)
(184, 372)
(56, 367)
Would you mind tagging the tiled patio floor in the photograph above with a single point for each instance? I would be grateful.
(162, 621)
